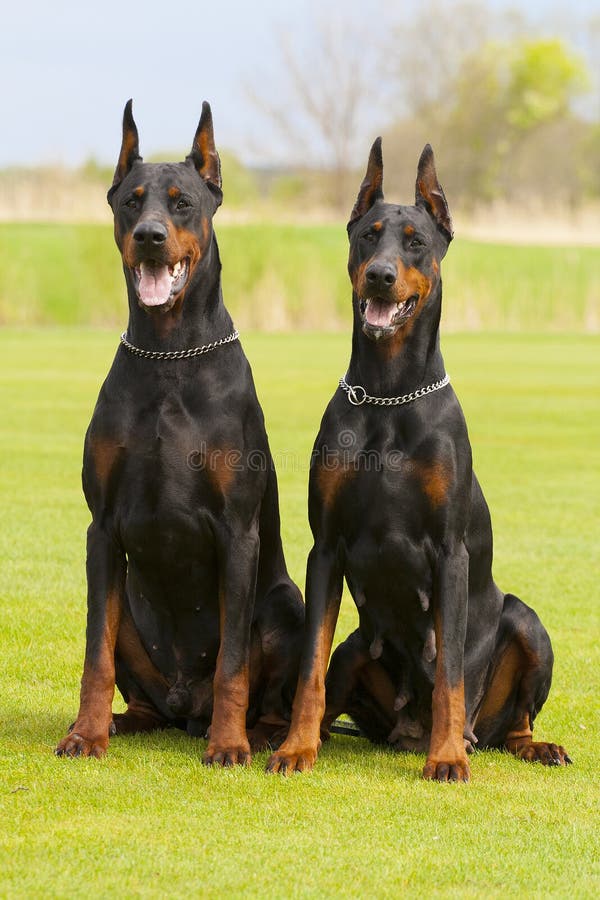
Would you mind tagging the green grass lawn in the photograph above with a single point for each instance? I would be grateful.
(279, 277)
(149, 820)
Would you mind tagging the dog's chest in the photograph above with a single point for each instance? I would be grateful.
(163, 465)
(387, 498)
(379, 488)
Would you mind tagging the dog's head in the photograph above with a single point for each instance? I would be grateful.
(163, 214)
(395, 251)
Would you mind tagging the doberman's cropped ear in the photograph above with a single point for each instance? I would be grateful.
(130, 149)
(371, 189)
(204, 154)
(429, 193)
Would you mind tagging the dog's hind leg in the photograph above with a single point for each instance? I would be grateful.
(279, 628)
(142, 686)
(361, 688)
(518, 687)
(345, 665)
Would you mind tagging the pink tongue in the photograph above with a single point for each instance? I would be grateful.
(380, 313)
(155, 284)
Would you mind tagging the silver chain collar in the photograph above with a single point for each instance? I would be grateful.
(357, 394)
(178, 354)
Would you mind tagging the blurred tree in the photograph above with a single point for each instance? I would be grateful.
(325, 96)
(428, 48)
(500, 97)
(497, 121)
(590, 163)
(544, 76)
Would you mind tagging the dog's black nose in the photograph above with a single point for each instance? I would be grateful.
(149, 232)
(381, 275)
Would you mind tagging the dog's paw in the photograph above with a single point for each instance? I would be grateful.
(267, 737)
(76, 744)
(288, 762)
(135, 722)
(227, 757)
(455, 769)
(545, 753)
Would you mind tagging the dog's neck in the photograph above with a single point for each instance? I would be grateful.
(411, 359)
(197, 318)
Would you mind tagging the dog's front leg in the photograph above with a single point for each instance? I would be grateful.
(447, 759)
(238, 558)
(106, 570)
(324, 581)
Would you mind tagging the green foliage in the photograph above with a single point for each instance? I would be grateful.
(281, 276)
(239, 184)
(544, 77)
(504, 126)
(149, 820)
(97, 172)
(506, 92)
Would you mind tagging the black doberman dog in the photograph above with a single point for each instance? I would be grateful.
(442, 659)
(190, 607)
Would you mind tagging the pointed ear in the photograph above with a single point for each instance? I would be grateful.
(204, 155)
(429, 193)
(371, 189)
(130, 149)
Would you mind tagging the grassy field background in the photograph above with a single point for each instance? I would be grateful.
(149, 820)
(279, 277)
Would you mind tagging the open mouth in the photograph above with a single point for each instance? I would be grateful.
(157, 284)
(382, 318)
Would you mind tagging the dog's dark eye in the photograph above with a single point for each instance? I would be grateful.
(416, 244)
(131, 203)
(182, 203)
(369, 237)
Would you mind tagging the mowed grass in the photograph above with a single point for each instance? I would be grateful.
(149, 820)
(281, 276)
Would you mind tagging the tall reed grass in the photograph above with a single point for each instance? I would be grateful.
(281, 277)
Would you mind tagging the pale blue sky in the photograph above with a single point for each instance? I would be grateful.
(67, 68)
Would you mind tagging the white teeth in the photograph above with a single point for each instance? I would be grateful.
(176, 269)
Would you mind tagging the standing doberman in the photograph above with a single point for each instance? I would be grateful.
(190, 606)
(442, 659)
